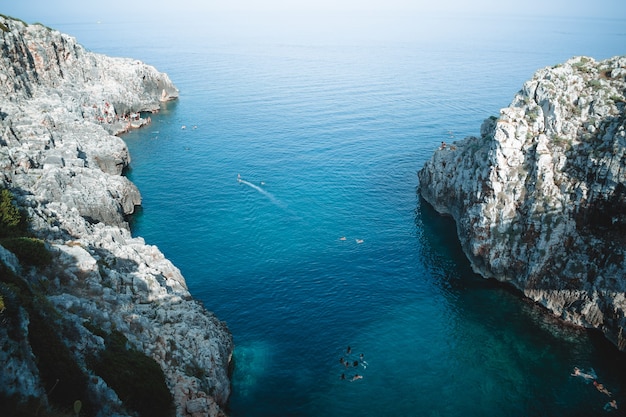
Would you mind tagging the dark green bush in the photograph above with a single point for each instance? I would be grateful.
(14, 236)
(12, 222)
(13, 18)
(62, 378)
(30, 251)
(136, 378)
(15, 406)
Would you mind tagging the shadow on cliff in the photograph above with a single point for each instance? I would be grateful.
(74, 265)
(136, 377)
(125, 276)
(442, 250)
(603, 212)
(447, 262)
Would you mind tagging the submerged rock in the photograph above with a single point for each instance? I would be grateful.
(60, 106)
(539, 198)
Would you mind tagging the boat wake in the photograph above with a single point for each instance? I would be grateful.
(266, 193)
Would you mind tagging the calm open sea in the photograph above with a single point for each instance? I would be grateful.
(327, 122)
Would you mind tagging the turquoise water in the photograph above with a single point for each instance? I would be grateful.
(327, 129)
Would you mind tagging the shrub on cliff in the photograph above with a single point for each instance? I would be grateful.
(136, 378)
(29, 251)
(12, 222)
(60, 375)
(63, 379)
(13, 234)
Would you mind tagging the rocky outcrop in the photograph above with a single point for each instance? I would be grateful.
(60, 106)
(539, 198)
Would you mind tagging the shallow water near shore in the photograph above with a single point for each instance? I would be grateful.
(327, 133)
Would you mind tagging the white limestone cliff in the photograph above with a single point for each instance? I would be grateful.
(539, 199)
(60, 106)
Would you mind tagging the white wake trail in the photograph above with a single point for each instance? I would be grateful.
(262, 191)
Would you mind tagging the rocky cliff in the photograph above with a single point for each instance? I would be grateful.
(60, 107)
(539, 198)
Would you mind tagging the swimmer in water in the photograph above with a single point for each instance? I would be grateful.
(611, 405)
(357, 376)
(363, 363)
(349, 350)
(578, 372)
(601, 388)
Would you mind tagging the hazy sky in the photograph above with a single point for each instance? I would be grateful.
(47, 11)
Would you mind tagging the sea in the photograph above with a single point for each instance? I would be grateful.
(283, 184)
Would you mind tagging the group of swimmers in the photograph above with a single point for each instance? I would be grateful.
(591, 376)
(347, 363)
(343, 238)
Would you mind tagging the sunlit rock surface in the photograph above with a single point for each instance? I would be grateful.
(60, 106)
(539, 198)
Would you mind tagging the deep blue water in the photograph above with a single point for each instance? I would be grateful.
(327, 128)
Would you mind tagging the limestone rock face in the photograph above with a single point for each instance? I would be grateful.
(539, 199)
(60, 106)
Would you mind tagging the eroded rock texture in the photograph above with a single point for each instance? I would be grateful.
(539, 198)
(60, 107)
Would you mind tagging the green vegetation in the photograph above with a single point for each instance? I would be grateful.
(595, 84)
(30, 251)
(14, 236)
(13, 18)
(14, 406)
(62, 378)
(561, 141)
(44, 26)
(533, 114)
(582, 65)
(136, 378)
(12, 222)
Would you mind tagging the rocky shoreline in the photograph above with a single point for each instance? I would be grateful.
(539, 198)
(60, 107)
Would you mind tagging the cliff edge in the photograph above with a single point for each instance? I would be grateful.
(539, 198)
(60, 107)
